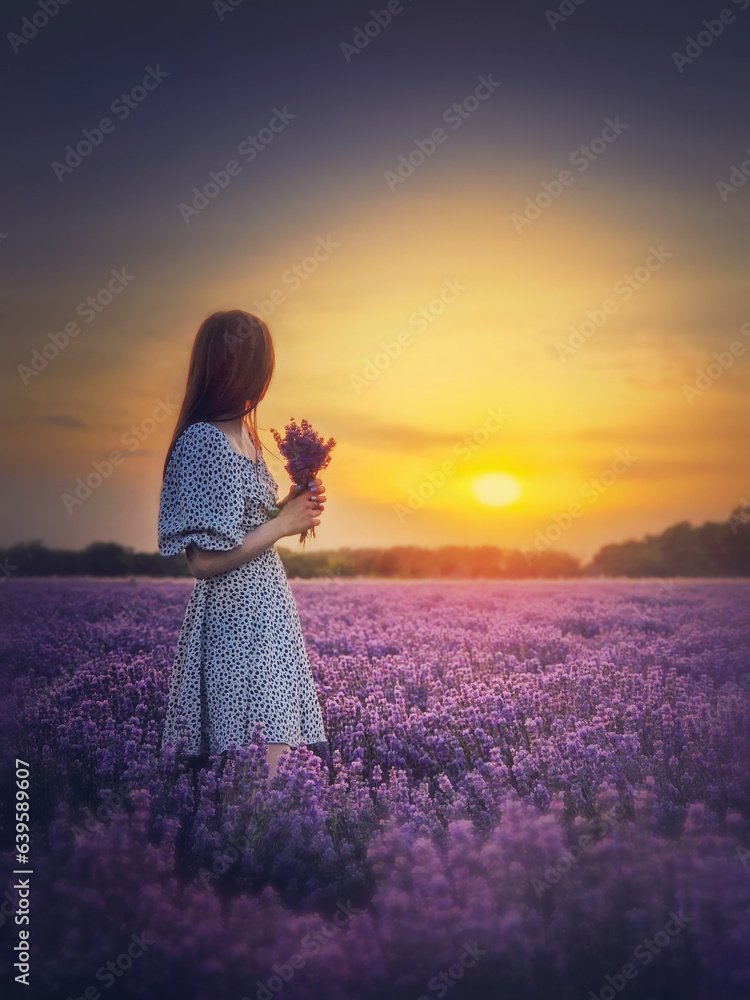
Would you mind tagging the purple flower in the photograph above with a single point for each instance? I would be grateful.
(306, 454)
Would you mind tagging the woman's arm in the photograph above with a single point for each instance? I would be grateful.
(204, 563)
(298, 515)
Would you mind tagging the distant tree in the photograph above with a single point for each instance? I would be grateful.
(557, 565)
(107, 559)
(713, 549)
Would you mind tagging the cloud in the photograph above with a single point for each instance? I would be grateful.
(392, 437)
(61, 420)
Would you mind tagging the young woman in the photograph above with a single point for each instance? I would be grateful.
(241, 657)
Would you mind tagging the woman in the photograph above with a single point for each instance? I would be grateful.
(241, 658)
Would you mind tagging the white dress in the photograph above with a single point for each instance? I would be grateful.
(241, 657)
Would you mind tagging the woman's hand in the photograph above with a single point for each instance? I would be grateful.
(301, 509)
(295, 491)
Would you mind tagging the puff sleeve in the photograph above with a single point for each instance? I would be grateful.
(202, 497)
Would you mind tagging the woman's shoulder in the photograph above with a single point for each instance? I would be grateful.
(198, 443)
(201, 433)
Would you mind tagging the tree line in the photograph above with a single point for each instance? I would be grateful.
(709, 550)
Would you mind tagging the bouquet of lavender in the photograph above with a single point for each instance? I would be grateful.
(306, 453)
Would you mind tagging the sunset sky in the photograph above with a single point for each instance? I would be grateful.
(636, 238)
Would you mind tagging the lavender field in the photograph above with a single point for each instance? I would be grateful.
(532, 790)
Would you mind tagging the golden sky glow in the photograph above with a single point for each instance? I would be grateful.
(477, 379)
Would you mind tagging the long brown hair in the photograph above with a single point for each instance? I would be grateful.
(231, 365)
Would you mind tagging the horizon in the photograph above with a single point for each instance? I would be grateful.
(738, 517)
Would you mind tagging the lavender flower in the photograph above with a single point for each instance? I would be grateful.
(498, 771)
(306, 454)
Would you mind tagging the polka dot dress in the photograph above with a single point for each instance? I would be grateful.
(241, 658)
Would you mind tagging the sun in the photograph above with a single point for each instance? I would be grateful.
(496, 489)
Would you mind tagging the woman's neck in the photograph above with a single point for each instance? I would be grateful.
(233, 427)
(237, 433)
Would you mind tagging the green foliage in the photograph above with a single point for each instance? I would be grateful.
(713, 549)
(98, 559)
